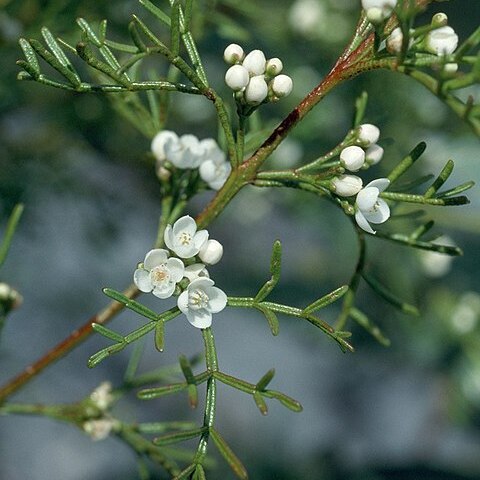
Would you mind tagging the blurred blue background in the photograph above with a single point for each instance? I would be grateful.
(411, 411)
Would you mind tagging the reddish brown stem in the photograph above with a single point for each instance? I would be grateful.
(65, 346)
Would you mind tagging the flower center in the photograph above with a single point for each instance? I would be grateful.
(198, 299)
(185, 238)
(160, 275)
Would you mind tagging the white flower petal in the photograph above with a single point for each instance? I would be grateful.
(164, 291)
(201, 283)
(381, 214)
(217, 299)
(362, 222)
(142, 280)
(159, 141)
(185, 251)
(184, 224)
(155, 257)
(380, 183)
(168, 237)
(366, 198)
(176, 269)
(199, 318)
(197, 270)
(199, 239)
(182, 302)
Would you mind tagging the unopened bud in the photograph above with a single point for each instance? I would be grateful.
(255, 62)
(273, 67)
(347, 185)
(374, 154)
(368, 134)
(237, 77)
(256, 91)
(282, 85)
(211, 252)
(352, 158)
(233, 54)
(440, 19)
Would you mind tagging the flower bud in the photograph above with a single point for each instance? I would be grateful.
(368, 134)
(211, 252)
(255, 62)
(9, 298)
(440, 19)
(378, 10)
(273, 67)
(352, 158)
(256, 91)
(395, 41)
(159, 141)
(282, 85)
(373, 154)
(233, 54)
(442, 41)
(450, 68)
(347, 185)
(237, 77)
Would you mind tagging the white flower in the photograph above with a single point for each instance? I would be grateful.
(99, 429)
(257, 90)
(237, 77)
(371, 208)
(215, 169)
(200, 300)
(158, 273)
(183, 238)
(368, 134)
(373, 154)
(159, 141)
(442, 41)
(186, 152)
(255, 62)
(197, 270)
(352, 158)
(102, 396)
(273, 67)
(233, 53)
(347, 185)
(282, 85)
(378, 10)
(211, 252)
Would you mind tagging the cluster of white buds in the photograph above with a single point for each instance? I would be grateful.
(378, 11)
(188, 152)
(100, 428)
(102, 396)
(161, 273)
(253, 77)
(369, 208)
(355, 157)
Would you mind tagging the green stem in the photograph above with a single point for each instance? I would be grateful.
(211, 362)
(349, 298)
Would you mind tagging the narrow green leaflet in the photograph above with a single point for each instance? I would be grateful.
(227, 453)
(160, 335)
(326, 300)
(131, 304)
(275, 269)
(407, 162)
(370, 327)
(12, 225)
(265, 380)
(156, 12)
(106, 332)
(441, 179)
(271, 319)
(150, 393)
(178, 437)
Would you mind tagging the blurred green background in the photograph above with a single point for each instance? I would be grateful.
(411, 411)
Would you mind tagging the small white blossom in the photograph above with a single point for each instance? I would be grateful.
(233, 53)
(450, 68)
(215, 169)
(102, 396)
(211, 252)
(373, 154)
(378, 10)
(200, 300)
(442, 41)
(237, 77)
(99, 429)
(255, 62)
(158, 274)
(257, 90)
(197, 270)
(159, 141)
(347, 185)
(183, 238)
(273, 67)
(186, 152)
(368, 134)
(282, 85)
(352, 158)
(371, 208)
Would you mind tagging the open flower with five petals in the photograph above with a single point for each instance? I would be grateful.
(200, 300)
(159, 274)
(369, 207)
(183, 238)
